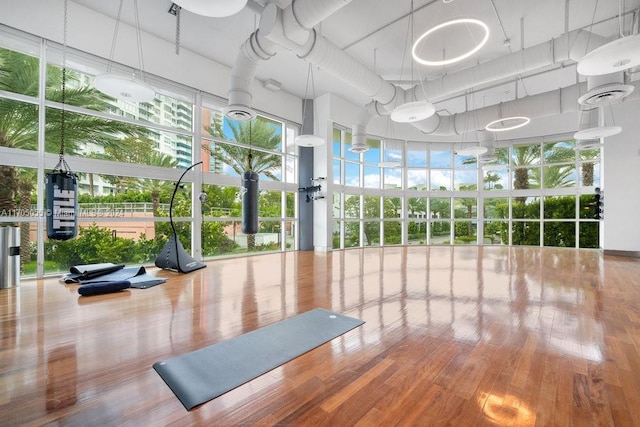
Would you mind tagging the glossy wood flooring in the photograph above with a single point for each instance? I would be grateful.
(456, 336)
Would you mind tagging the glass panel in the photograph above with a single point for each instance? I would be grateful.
(392, 178)
(20, 74)
(589, 206)
(559, 176)
(440, 159)
(525, 155)
(589, 234)
(416, 155)
(465, 207)
(440, 208)
(392, 153)
(19, 126)
(502, 156)
(371, 207)
(417, 207)
(562, 234)
(372, 233)
(525, 178)
(290, 205)
(371, 176)
(559, 152)
(525, 207)
(290, 236)
(219, 238)
(440, 233)
(417, 231)
(440, 180)
(352, 174)
(525, 233)
(291, 173)
(270, 204)
(351, 206)
(337, 142)
(221, 235)
(417, 179)
(497, 208)
(496, 233)
(496, 179)
(465, 233)
(392, 232)
(351, 234)
(269, 236)
(337, 166)
(559, 207)
(392, 207)
(590, 174)
(373, 154)
(335, 235)
(465, 180)
(335, 207)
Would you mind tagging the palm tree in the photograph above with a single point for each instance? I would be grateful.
(257, 133)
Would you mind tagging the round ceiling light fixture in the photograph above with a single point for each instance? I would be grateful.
(475, 150)
(463, 21)
(507, 123)
(212, 8)
(618, 55)
(413, 112)
(124, 88)
(308, 141)
(597, 132)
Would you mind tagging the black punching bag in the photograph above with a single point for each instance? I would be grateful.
(249, 202)
(61, 188)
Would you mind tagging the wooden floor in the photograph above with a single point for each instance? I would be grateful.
(456, 336)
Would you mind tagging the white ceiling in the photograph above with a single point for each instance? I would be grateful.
(379, 34)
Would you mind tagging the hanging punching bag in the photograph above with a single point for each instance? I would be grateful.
(61, 188)
(249, 202)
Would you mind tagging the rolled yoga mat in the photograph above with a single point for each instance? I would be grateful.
(207, 373)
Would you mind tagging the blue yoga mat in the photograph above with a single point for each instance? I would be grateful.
(205, 374)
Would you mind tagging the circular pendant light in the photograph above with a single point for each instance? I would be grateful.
(597, 132)
(212, 8)
(475, 150)
(413, 112)
(507, 123)
(612, 57)
(308, 141)
(124, 88)
(461, 21)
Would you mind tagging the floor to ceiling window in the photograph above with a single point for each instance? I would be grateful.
(128, 156)
(539, 192)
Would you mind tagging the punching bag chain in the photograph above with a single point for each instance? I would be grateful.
(62, 163)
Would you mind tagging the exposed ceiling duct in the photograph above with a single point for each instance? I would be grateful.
(292, 28)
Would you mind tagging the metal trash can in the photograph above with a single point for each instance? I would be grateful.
(9, 257)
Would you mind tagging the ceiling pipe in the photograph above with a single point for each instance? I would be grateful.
(253, 51)
(559, 101)
(292, 28)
